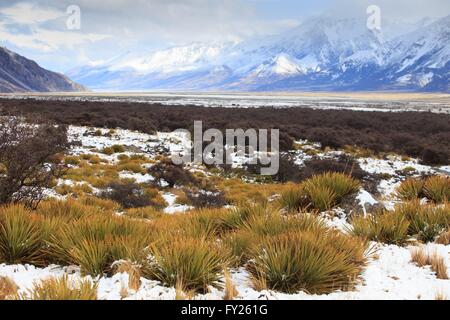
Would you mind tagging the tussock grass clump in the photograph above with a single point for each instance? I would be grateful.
(434, 260)
(262, 222)
(95, 242)
(21, 237)
(408, 219)
(72, 160)
(426, 221)
(230, 289)
(293, 199)
(328, 189)
(69, 209)
(147, 213)
(239, 244)
(419, 256)
(197, 263)
(104, 204)
(437, 188)
(275, 224)
(308, 261)
(386, 227)
(411, 189)
(133, 271)
(438, 266)
(61, 289)
(444, 238)
(8, 288)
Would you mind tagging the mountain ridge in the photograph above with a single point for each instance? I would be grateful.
(19, 74)
(321, 54)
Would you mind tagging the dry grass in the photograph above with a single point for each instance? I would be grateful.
(386, 227)
(329, 189)
(230, 289)
(197, 263)
(94, 242)
(419, 256)
(293, 199)
(133, 271)
(61, 289)
(437, 263)
(444, 238)
(146, 213)
(437, 188)
(181, 293)
(308, 261)
(426, 221)
(21, 236)
(8, 288)
(410, 189)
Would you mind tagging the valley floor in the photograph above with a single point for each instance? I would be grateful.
(390, 273)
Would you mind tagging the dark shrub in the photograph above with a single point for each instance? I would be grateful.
(206, 199)
(341, 164)
(167, 171)
(430, 157)
(28, 159)
(406, 133)
(288, 170)
(129, 195)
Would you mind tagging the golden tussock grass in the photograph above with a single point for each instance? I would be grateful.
(146, 213)
(21, 236)
(133, 271)
(444, 238)
(328, 189)
(386, 227)
(310, 261)
(230, 291)
(437, 188)
(410, 189)
(8, 288)
(437, 263)
(181, 293)
(62, 288)
(198, 263)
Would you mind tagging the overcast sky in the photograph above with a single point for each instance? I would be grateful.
(38, 28)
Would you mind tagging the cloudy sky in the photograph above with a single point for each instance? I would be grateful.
(38, 28)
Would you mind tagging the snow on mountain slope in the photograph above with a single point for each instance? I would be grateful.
(323, 53)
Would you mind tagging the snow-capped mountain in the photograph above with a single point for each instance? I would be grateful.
(322, 53)
(19, 74)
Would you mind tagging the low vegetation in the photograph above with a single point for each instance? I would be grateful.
(408, 220)
(320, 192)
(435, 188)
(427, 137)
(62, 288)
(436, 262)
(309, 261)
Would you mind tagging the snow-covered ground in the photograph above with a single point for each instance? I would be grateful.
(390, 274)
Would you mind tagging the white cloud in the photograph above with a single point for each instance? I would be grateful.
(113, 27)
(35, 35)
(28, 13)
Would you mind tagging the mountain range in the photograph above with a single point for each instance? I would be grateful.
(323, 53)
(19, 74)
